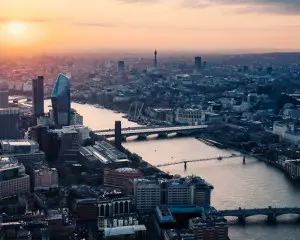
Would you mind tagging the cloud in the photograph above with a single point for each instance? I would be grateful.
(59, 20)
(259, 6)
(92, 24)
(139, 1)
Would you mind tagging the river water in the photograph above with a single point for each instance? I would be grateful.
(252, 185)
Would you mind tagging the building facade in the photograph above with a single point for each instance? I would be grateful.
(174, 192)
(188, 116)
(13, 180)
(121, 178)
(38, 96)
(25, 151)
(209, 227)
(9, 127)
(45, 178)
(61, 101)
(3, 98)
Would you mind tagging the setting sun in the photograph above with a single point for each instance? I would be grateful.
(16, 29)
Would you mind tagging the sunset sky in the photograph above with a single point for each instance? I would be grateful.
(182, 25)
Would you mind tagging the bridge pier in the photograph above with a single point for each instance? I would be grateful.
(185, 165)
(242, 219)
(141, 138)
(162, 135)
(244, 159)
(271, 218)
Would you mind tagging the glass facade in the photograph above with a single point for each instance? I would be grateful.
(61, 102)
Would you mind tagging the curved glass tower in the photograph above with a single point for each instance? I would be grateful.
(61, 101)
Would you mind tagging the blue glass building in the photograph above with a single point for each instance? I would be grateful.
(61, 101)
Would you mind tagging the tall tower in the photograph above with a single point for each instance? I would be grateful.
(198, 64)
(38, 96)
(155, 59)
(61, 101)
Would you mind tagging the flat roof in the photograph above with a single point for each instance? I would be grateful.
(124, 230)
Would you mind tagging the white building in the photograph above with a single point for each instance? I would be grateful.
(293, 168)
(13, 180)
(45, 178)
(188, 116)
(287, 133)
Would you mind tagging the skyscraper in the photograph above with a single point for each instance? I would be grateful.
(155, 59)
(38, 96)
(121, 66)
(61, 102)
(198, 64)
(9, 127)
(3, 98)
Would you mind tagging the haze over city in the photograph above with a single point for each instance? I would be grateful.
(142, 25)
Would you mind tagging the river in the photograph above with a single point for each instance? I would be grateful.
(252, 185)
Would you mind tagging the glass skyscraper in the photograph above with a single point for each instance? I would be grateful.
(61, 102)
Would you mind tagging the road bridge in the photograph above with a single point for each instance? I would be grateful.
(145, 131)
(271, 213)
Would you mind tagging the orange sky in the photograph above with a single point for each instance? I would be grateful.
(192, 25)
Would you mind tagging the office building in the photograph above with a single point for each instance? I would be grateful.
(121, 178)
(13, 180)
(61, 102)
(9, 127)
(209, 227)
(3, 98)
(174, 192)
(45, 178)
(147, 194)
(66, 143)
(38, 96)
(25, 151)
(198, 64)
(121, 66)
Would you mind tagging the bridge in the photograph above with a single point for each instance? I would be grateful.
(201, 160)
(271, 213)
(143, 132)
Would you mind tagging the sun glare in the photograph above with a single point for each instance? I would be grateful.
(16, 29)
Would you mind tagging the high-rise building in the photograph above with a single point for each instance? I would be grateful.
(121, 66)
(9, 127)
(61, 102)
(3, 98)
(13, 180)
(174, 192)
(38, 96)
(69, 141)
(198, 64)
(155, 59)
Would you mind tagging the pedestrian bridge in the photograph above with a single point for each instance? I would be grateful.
(271, 213)
(145, 131)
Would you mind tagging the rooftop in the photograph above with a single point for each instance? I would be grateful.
(125, 230)
(127, 170)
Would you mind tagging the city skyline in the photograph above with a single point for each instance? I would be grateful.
(182, 25)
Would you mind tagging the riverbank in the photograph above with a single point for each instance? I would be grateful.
(211, 141)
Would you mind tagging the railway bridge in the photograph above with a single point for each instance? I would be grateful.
(271, 213)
